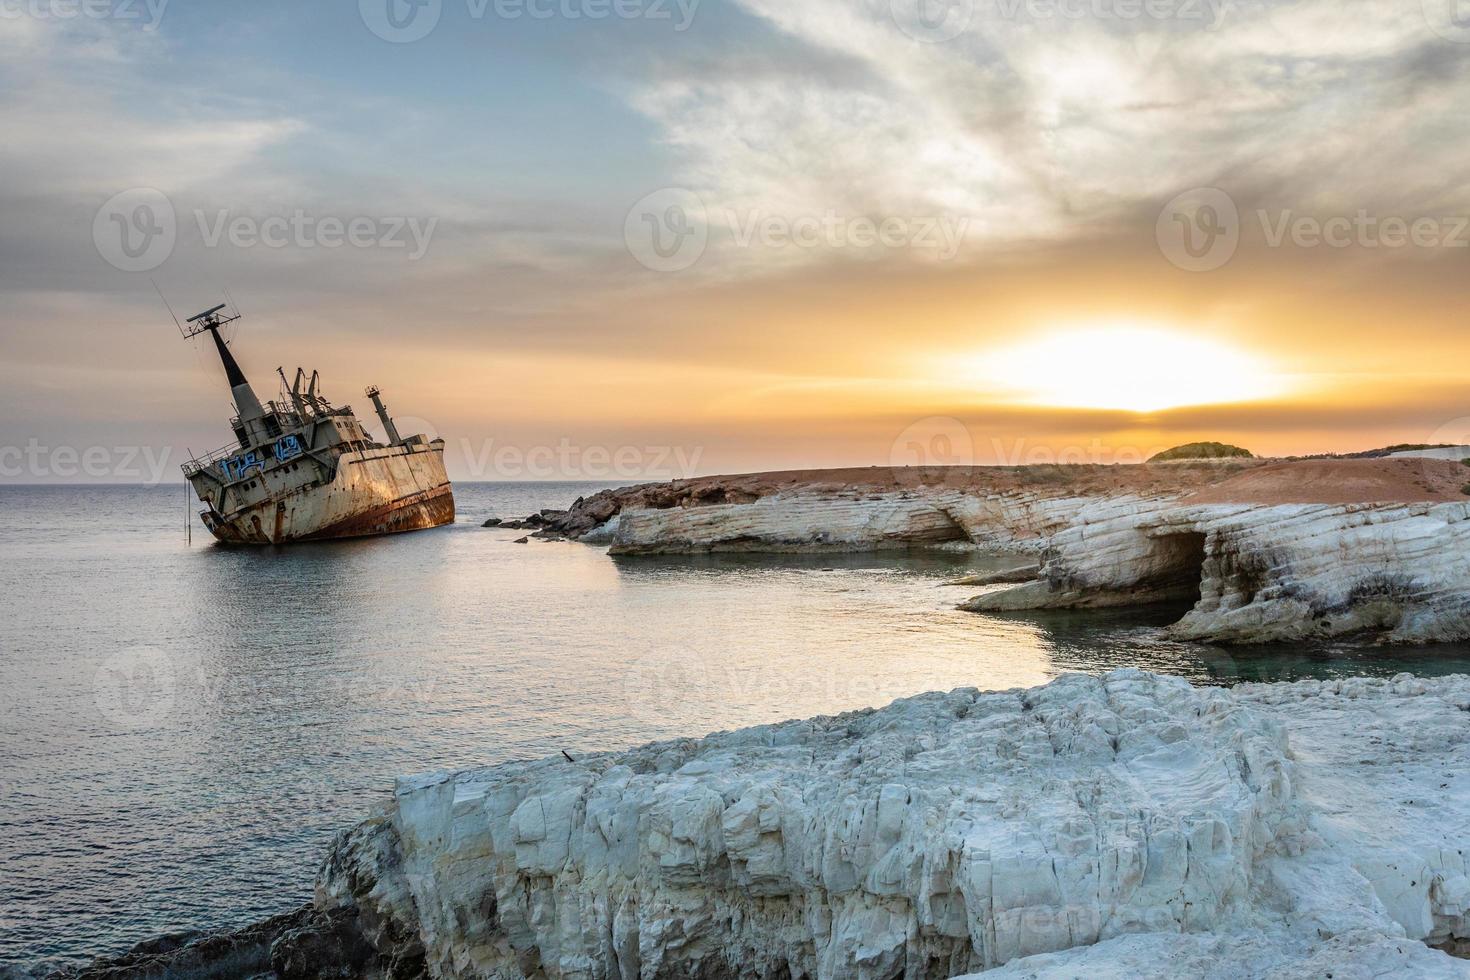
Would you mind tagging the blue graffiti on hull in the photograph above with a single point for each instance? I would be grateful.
(235, 468)
(287, 447)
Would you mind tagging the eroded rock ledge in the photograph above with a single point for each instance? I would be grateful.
(1123, 826)
(1266, 551)
(1278, 827)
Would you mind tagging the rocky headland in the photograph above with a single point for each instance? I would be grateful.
(1124, 826)
(1265, 550)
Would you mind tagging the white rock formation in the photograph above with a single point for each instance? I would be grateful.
(805, 520)
(952, 833)
(1259, 572)
(1365, 956)
(1268, 573)
(1380, 769)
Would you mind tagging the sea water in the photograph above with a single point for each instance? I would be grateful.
(183, 728)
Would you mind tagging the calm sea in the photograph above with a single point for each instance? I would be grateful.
(183, 728)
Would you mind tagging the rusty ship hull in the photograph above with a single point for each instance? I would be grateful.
(375, 492)
(302, 469)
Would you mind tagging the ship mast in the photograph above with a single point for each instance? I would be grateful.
(247, 405)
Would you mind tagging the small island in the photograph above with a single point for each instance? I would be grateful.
(1202, 450)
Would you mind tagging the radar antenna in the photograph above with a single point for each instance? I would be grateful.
(210, 319)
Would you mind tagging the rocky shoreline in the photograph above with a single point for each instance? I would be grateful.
(1128, 825)
(1266, 551)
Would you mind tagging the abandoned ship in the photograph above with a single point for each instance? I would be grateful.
(301, 470)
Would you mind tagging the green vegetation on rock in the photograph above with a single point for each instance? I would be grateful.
(1202, 450)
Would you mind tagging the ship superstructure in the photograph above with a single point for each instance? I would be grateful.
(301, 470)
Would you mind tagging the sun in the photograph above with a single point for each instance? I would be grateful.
(1128, 367)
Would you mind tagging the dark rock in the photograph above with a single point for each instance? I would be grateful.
(493, 522)
(523, 541)
(237, 955)
(329, 944)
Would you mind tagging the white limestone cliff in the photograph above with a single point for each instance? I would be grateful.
(1268, 573)
(1130, 819)
(1255, 572)
(852, 520)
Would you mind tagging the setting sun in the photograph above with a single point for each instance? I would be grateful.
(1128, 368)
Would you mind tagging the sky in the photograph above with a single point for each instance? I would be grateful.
(621, 239)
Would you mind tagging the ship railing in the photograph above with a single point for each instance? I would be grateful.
(195, 466)
(286, 417)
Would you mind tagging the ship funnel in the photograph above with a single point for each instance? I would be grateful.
(247, 405)
(384, 417)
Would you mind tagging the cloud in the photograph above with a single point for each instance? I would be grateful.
(1044, 125)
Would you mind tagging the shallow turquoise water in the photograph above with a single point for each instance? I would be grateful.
(184, 728)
